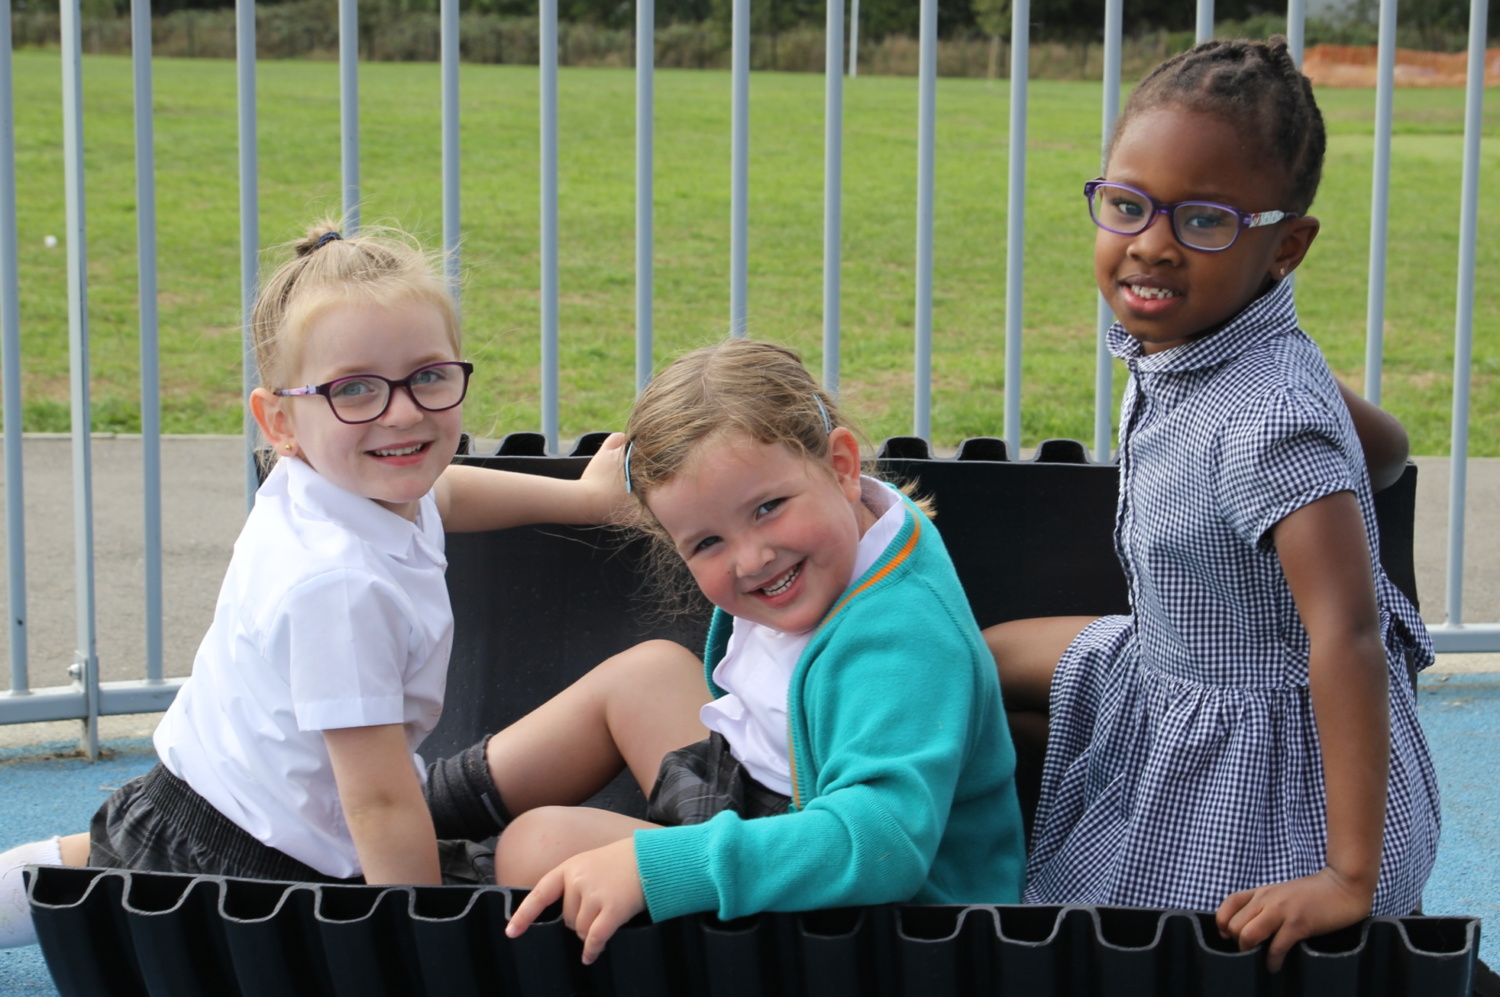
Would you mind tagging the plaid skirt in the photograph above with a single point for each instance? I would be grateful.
(698, 782)
(158, 823)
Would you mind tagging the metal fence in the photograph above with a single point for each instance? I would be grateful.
(87, 698)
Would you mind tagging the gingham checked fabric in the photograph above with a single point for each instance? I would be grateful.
(1183, 762)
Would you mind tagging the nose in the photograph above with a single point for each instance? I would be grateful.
(751, 556)
(1156, 243)
(402, 409)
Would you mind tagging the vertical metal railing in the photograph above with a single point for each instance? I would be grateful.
(349, 112)
(926, 146)
(86, 656)
(1380, 200)
(87, 699)
(1104, 362)
(833, 190)
(1454, 634)
(739, 167)
(548, 69)
(244, 53)
(645, 186)
(448, 71)
(10, 361)
(145, 201)
(1015, 228)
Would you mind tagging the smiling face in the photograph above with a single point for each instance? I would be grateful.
(768, 535)
(1162, 292)
(395, 459)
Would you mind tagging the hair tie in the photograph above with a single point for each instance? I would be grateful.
(325, 239)
(822, 410)
(628, 486)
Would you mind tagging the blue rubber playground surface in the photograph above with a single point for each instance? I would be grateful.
(46, 792)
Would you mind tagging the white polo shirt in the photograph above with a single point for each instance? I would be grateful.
(334, 613)
(756, 670)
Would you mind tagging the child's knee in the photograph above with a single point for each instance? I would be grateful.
(534, 844)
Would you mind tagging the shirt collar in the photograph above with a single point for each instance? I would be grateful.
(1272, 314)
(367, 519)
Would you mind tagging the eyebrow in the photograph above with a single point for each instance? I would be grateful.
(353, 371)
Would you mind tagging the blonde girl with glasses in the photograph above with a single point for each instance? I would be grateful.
(1246, 740)
(840, 741)
(290, 753)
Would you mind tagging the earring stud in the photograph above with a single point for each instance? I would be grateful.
(287, 447)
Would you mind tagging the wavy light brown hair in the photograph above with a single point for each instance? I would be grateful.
(743, 386)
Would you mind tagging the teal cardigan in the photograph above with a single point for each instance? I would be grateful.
(902, 764)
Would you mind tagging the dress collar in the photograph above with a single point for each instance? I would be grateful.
(1272, 314)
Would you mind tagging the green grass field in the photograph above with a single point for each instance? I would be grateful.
(197, 178)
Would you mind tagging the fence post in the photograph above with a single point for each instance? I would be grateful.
(833, 181)
(145, 199)
(10, 365)
(926, 141)
(86, 658)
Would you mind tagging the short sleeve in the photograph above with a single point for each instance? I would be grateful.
(1280, 455)
(346, 637)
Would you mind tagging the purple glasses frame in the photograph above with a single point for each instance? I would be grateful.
(326, 390)
(1247, 219)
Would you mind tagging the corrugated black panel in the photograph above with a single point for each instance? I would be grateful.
(113, 933)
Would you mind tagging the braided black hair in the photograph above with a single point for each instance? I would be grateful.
(1249, 82)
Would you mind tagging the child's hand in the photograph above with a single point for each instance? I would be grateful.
(600, 890)
(1288, 912)
(605, 479)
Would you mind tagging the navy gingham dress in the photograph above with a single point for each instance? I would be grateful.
(1183, 760)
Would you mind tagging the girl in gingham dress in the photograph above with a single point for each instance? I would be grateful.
(1246, 740)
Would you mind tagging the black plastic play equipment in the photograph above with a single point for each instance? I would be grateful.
(127, 934)
(537, 607)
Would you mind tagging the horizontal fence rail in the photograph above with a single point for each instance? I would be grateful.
(88, 698)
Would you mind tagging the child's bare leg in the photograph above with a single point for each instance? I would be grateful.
(628, 711)
(75, 849)
(540, 840)
(1026, 654)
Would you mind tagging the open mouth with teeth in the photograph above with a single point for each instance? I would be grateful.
(781, 584)
(1152, 293)
(415, 448)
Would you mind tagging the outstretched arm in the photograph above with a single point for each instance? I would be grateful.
(1326, 559)
(1381, 436)
(476, 498)
(383, 804)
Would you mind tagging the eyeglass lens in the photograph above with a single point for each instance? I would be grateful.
(364, 397)
(1195, 223)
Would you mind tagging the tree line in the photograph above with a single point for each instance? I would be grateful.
(1073, 21)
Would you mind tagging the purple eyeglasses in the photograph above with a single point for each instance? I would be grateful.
(1201, 225)
(365, 397)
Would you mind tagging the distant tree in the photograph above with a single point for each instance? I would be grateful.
(993, 18)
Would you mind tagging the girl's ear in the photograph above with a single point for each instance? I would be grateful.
(843, 456)
(1294, 244)
(274, 420)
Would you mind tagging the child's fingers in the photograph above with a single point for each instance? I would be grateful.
(1232, 905)
(1290, 933)
(605, 923)
(1256, 929)
(546, 891)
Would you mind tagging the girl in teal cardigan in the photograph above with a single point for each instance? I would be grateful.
(856, 749)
